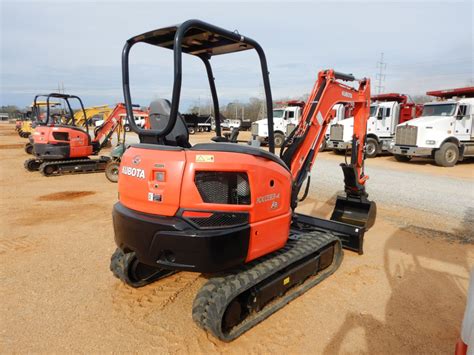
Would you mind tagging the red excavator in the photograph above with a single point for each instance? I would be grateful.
(229, 210)
(66, 148)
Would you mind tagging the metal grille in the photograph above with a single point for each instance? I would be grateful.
(231, 188)
(254, 129)
(336, 132)
(406, 135)
(220, 219)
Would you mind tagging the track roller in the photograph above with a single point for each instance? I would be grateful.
(229, 305)
(127, 268)
(48, 169)
(32, 164)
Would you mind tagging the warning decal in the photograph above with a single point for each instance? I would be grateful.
(204, 158)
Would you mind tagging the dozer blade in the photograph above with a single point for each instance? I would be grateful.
(358, 211)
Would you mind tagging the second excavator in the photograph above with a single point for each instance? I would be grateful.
(229, 210)
(66, 148)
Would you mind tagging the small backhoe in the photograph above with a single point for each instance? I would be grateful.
(229, 210)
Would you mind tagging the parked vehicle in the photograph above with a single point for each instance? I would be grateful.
(197, 123)
(229, 124)
(282, 117)
(386, 112)
(444, 131)
(245, 124)
(339, 112)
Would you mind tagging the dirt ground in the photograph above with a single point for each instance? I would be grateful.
(406, 294)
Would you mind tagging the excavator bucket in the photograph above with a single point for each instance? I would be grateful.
(358, 211)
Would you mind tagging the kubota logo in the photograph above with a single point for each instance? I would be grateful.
(136, 159)
(135, 172)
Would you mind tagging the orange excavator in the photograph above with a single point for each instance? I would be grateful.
(229, 210)
(66, 148)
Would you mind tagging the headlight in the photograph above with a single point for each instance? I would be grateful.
(430, 142)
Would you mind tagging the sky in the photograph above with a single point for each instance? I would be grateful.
(427, 45)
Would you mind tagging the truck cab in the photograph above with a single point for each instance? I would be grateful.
(386, 112)
(282, 117)
(444, 131)
(340, 133)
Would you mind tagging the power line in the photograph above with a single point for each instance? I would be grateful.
(380, 76)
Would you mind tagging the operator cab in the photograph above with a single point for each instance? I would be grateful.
(204, 41)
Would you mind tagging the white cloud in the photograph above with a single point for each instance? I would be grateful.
(428, 45)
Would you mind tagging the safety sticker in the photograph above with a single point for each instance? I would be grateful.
(204, 158)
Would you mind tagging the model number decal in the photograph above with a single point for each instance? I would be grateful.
(267, 198)
(346, 94)
(135, 172)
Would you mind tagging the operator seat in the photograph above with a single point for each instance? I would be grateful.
(228, 137)
(159, 115)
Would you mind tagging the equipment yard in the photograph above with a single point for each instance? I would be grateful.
(406, 294)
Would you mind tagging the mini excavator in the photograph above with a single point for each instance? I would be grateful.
(229, 210)
(65, 148)
(79, 118)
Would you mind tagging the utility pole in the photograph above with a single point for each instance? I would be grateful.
(380, 76)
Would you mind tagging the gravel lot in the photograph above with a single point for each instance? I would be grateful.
(444, 195)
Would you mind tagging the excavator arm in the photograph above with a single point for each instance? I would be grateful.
(112, 123)
(307, 137)
(103, 133)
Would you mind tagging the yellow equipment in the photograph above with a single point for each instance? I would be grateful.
(26, 128)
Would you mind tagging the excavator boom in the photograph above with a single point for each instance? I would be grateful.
(309, 134)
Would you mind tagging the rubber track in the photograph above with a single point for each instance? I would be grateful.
(119, 263)
(214, 297)
(66, 162)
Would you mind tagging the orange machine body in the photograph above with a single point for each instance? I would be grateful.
(64, 141)
(164, 183)
(56, 142)
(216, 206)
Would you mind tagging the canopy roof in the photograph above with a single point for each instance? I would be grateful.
(196, 41)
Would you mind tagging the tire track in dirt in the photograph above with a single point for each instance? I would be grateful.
(143, 307)
(11, 146)
(23, 243)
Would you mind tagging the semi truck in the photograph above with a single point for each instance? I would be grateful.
(282, 117)
(444, 132)
(386, 112)
(197, 123)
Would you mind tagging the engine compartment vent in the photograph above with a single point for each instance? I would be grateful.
(220, 219)
(230, 188)
(61, 136)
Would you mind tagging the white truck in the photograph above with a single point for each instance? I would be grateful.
(444, 132)
(282, 117)
(286, 119)
(386, 112)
